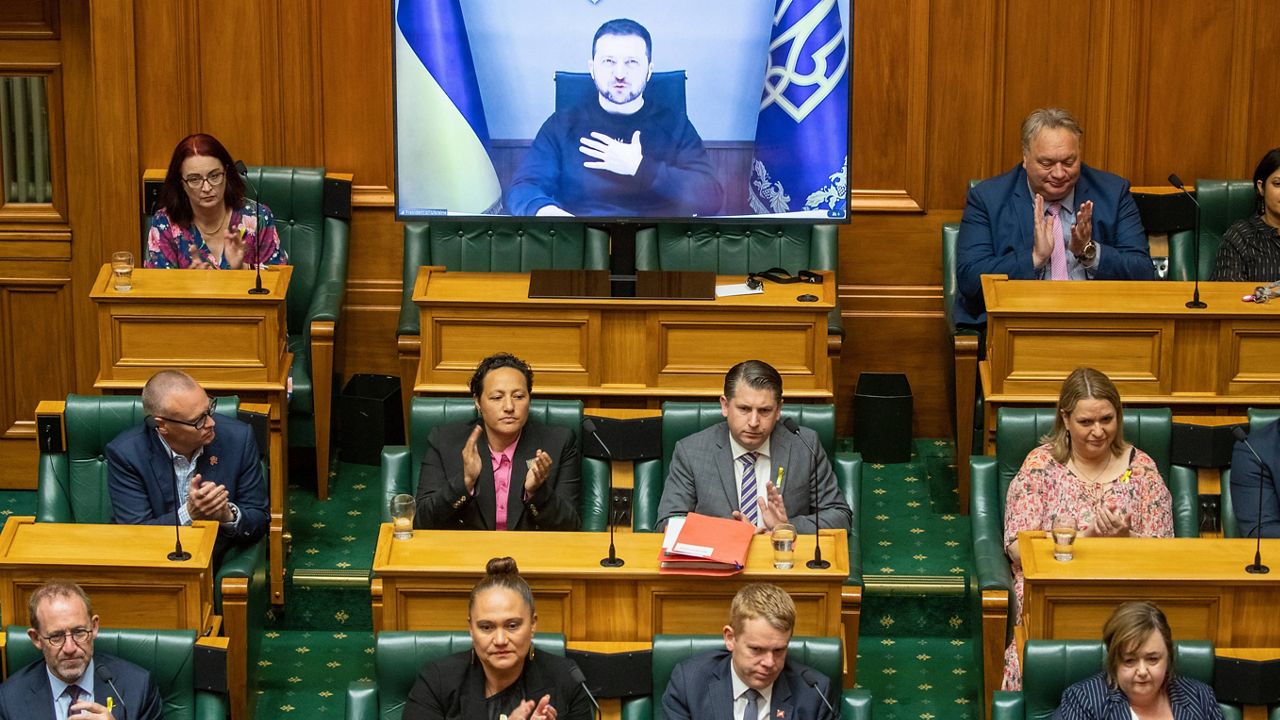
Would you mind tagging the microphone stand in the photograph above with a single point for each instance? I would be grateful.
(257, 288)
(1194, 303)
(178, 554)
(613, 560)
(817, 563)
(1257, 568)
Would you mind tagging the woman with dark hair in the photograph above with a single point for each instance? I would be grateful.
(1139, 680)
(203, 219)
(1085, 471)
(501, 471)
(501, 676)
(1250, 249)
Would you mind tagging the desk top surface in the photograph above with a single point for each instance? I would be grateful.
(1120, 297)
(1217, 560)
(26, 542)
(184, 285)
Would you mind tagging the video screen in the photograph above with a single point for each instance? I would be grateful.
(642, 110)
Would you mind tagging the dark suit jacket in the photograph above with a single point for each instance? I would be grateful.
(1248, 479)
(996, 235)
(142, 486)
(27, 695)
(701, 479)
(453, 687)
(1091, 699)
(443, 501)
(701, 688)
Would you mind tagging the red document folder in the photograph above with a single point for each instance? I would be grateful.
(708, 546)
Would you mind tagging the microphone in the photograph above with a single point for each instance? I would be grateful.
(257, 288)
(1257, 568)
(178, 554)
(613, 560)
(575, 672)
(817, 563)
(105, 673)
(1194, 303)
(811, 679)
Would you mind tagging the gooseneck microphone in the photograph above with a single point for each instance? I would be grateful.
(613, 560)
(105, 673)
(811, 679)
(575, 672)
(178, 554)
(1257, 568)
(1194, 303)
(817, 563)
(257, 288)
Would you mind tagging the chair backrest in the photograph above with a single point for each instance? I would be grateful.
(665, 89)
(1051, 666)
(425, 413)
(73, 485)
(167, 654)
(1222, 202)
(398, 656)
(736, 249)
(518, 246)
(821, 654)
(950, 235)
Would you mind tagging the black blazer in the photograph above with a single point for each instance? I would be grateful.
(27, 695)
(701, 688)
(453, 687)
(443, 501)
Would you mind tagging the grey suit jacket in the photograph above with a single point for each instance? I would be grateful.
(701, 479)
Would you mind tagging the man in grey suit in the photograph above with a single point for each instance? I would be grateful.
(750, 469)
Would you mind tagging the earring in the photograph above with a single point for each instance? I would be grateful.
(531, 651)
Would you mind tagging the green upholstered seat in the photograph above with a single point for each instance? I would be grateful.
(316, 244)
(968, 393)
(1051, 666)
(401, 463)
(1258, 417)
(1222, 202)
(168, 654)
(397, 658)
(822, 654)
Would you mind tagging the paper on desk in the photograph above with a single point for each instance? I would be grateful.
(737, 289)
(669, 544)
(674, 525)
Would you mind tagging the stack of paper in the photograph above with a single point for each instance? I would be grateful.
(703, 545)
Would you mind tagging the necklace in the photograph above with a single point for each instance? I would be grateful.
(216, 231)
(1093, 479)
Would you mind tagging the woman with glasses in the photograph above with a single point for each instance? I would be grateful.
(203, 220)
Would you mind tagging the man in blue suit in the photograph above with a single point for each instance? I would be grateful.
(1249, 479)
(183, 462)
(70, 682)
(751, 677)
(1051, 218)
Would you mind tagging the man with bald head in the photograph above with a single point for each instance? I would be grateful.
(185, 458)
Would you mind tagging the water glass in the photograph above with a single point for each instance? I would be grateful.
(122, 271)
(784, 546)
(402, 509)
(1064, 537)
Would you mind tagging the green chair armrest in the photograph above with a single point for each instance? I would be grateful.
(53, 496)
(848, 469)
(835, 323)
(1235, 712)
(242, 561)
(1007, 705)
(210, 706)
(988, 525)
(855, 704)
(648, 492)
(397, 476)
(326, 303)
(594, 504)
(362, 700)
(1184, 486)
(639, 708)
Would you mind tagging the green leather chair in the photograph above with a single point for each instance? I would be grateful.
(1230, 525)
(1222, 202)
(1051, 666)
(397, 658)
(822, 654)
(401, 463)
(72, 488)
(518, 246)
(168, 654)
(317, 247)
(1018, 432)
(964, 341)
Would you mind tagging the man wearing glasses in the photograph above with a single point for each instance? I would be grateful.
(70, 683)
(183, 460)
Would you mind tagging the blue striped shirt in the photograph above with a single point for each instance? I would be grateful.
(1091, 699)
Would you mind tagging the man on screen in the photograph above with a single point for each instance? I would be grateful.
(617, 155)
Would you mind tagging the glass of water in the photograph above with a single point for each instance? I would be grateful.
(1064, 537)
(403, 507)
(122, 270)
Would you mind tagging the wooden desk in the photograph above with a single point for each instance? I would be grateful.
(424, 584)
(206, 323)
(1217, 361)
(624, 352)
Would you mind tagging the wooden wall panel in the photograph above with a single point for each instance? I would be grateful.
(29, 19)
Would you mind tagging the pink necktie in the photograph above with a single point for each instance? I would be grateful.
(1058, 261)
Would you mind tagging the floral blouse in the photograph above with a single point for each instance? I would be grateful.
(172, 246)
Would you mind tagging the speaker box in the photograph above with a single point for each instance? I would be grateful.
(211, 668)
(1249, 682)
(49, 433)
(882, 412)
(337, 199)
(1202, 446)
(616, 675)
(369, 416)
(634, 439)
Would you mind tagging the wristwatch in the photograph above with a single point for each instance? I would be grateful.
(1089, 254)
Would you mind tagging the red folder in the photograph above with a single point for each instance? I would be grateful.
(708, 546)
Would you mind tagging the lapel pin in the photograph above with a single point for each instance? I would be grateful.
(213, 459)
(782, 713)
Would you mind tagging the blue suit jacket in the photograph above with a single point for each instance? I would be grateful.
(702, 687)
(27, 695)
(141, 481)
(996, 235)
(1248, 479)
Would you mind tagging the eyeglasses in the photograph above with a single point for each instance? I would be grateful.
(195, 182)
(79, 635)
(199, 422)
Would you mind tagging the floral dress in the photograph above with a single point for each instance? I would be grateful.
(1045, 488)
(172, 246)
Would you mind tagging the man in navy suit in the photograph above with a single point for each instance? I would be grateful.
(1052, 218)
(182, 460)
(70, 682)
(750, 679)
(1248, 479)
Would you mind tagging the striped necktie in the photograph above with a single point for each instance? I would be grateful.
(750, 510)
(1058, 261)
